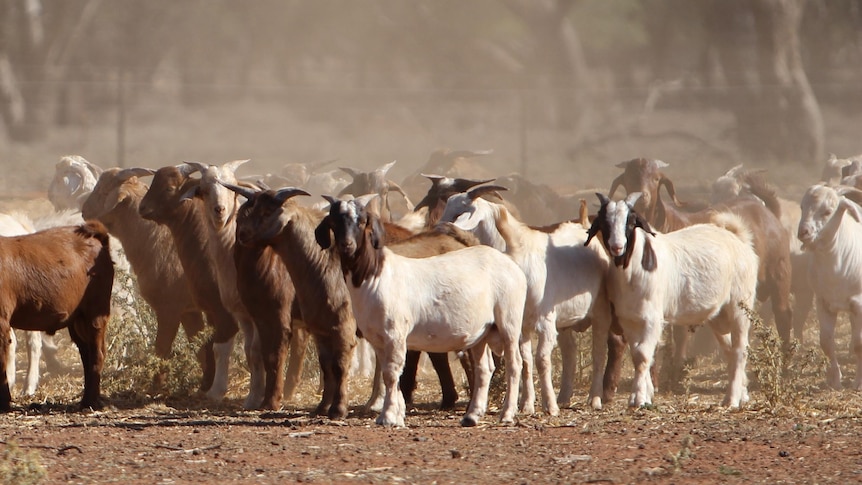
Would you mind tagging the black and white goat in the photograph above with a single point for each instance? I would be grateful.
(696, 274)
(463, 299)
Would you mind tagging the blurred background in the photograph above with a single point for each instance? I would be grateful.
(561, 90)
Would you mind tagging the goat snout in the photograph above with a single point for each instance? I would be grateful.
(805, 234)
(220, 210)
(616, 249)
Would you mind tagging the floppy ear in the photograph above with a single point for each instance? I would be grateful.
(593, 230)
(648, 260)
(643, 224)
(321, 233)
(378, 234)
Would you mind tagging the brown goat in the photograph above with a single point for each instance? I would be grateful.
(271, 218)
(771, 241)
(152, 255)
(167, 203)
(54, 279)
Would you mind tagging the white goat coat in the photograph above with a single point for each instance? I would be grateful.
(835, 242)
(441, 303)
(700, 270)
(565, 285)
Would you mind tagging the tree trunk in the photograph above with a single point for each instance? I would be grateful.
(777, 115)
(789, 103)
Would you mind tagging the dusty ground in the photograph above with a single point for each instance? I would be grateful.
(702, 444)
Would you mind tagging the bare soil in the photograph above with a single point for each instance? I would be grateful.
(700, 444)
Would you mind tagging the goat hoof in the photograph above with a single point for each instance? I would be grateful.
(468, 422)
(448, 404)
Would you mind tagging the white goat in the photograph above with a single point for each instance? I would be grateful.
(835, 243)
(696, 274)
(463, 299)
(565, 285)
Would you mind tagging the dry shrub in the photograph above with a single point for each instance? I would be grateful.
(778, 371)
(20, 467)
(130, 362)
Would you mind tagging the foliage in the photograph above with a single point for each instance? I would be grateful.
(20, 467)
(777, 369)
(130, 363)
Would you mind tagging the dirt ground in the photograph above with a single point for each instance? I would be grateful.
(700, 444)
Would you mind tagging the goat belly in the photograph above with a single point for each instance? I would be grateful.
(432, 338)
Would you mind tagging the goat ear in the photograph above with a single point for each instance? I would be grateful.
(643, 224)
(623, 164)
(191, 193)
(668, 185)
(593, 230)
(321, 233)
(660, 164)
(648, 260)
(378, 234)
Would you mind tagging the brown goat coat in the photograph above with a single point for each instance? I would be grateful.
(53, 279)
(187, 223)
(320, 289)
(152, 255)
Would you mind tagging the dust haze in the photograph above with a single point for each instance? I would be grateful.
(560, 90)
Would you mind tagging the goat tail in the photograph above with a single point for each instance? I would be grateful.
(94, 229)
(733, 223)
(765, 192)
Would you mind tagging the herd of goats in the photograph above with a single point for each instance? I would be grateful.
(478, 266)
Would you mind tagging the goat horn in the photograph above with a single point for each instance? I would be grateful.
(603, 199)
(243, 191)
(434, 178)
(188, 168)
(128, 173)
(232, 166)
(385, 168)
(632, 198)
(474, 194)
(282, 195)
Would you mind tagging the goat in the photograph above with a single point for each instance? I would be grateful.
(74, 179)
(270, 218)
(836, 169)
(152, 255)
(458, 300)
(375, 182)
(700, 273)
(761, 211)
(448, 163)
(53, 279)
(740, 182)
(565, 280)
(255, 286)
(835, 243)
(168, 202)
(219, 208)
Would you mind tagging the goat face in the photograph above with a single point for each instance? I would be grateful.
(645, 176)
(169, 189)
(264, 215)
(220, 202)
(115, 186)
(819, 204)
(74, 178)
(616, 221)
(353, 228)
